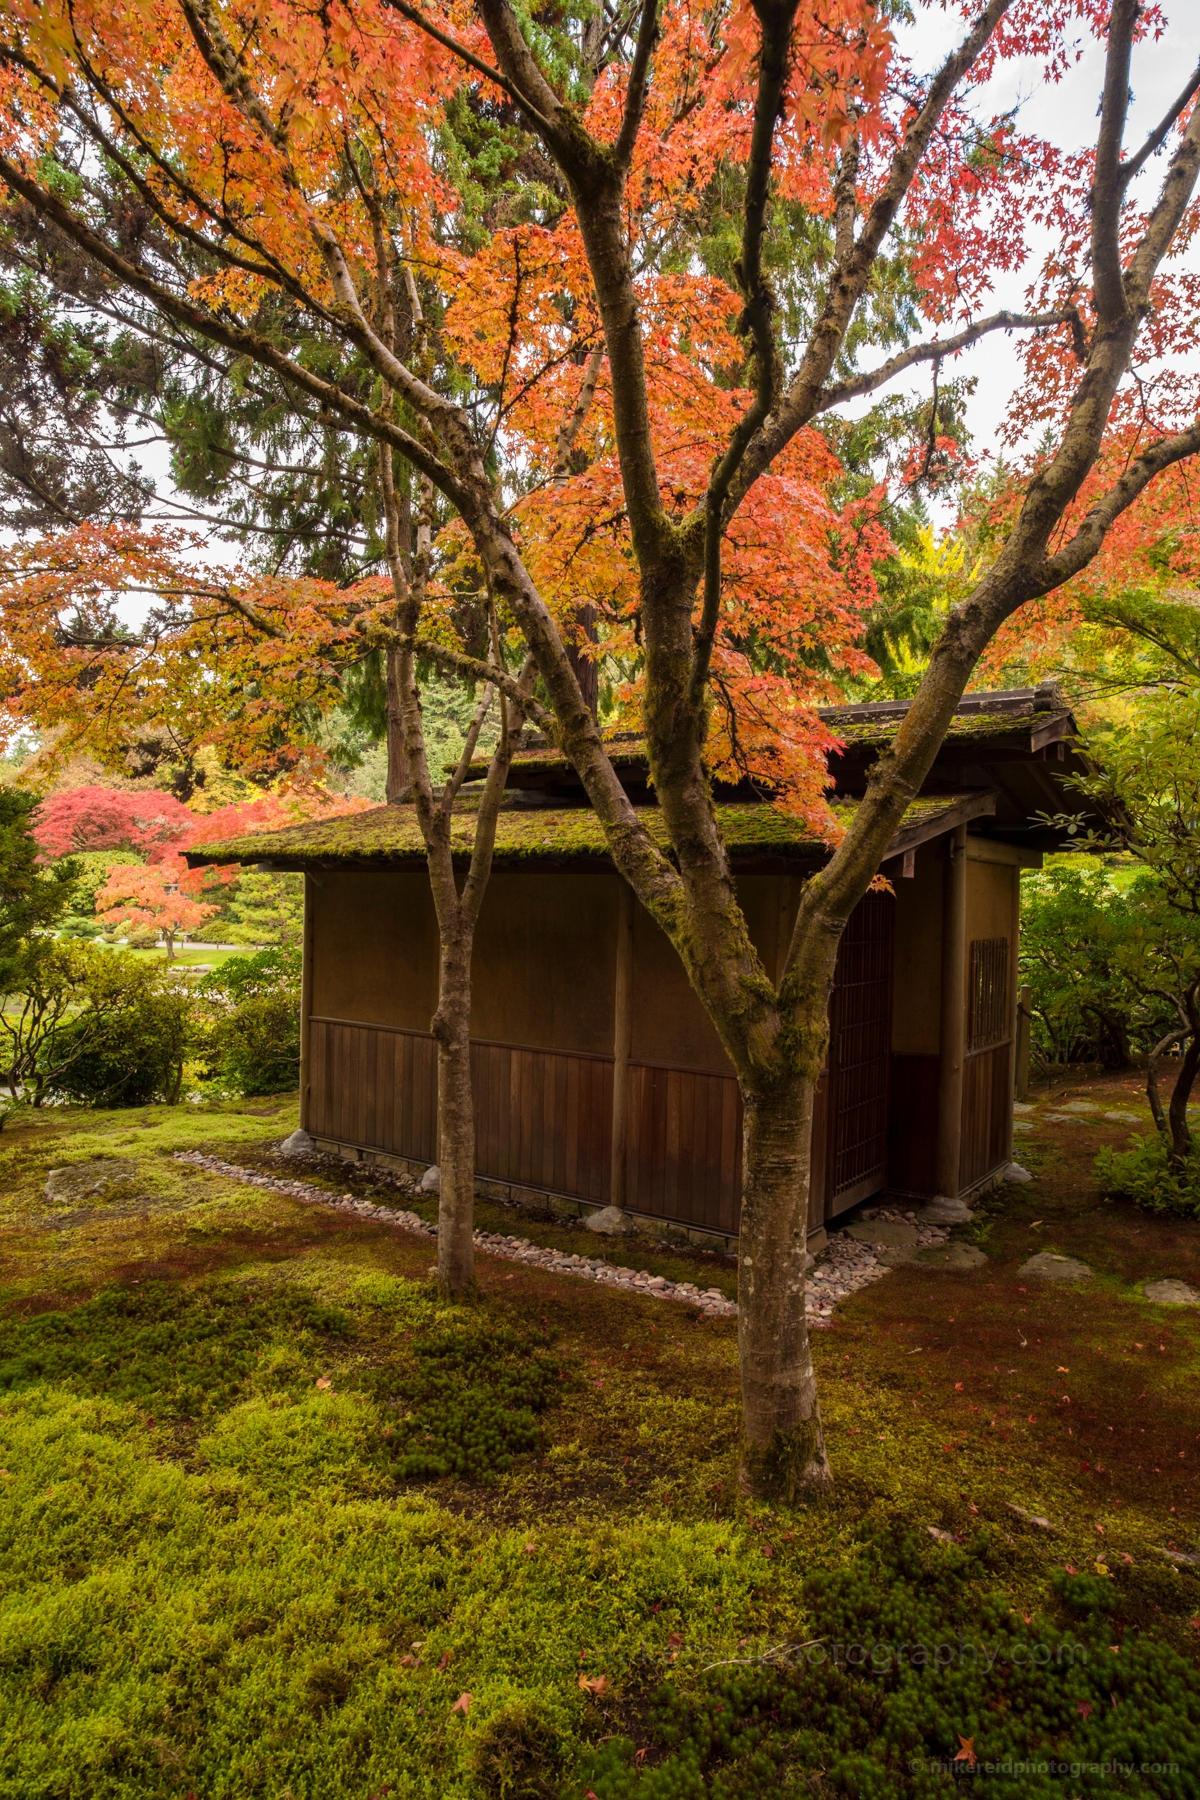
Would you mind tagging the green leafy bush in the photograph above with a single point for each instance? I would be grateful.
(1144, 1174)
(474, 1404)
(907, 1674)
(254, 1012)
(128, 1043)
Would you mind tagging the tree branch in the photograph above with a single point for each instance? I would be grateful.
(1088, 539)
(852, 273)
(1158, 136)
(935, 351)
(1107, 186)
(637, 85)
(231, 336)
(416, 17)
(756, 322)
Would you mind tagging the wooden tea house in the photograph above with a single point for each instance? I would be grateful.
(599, 1079)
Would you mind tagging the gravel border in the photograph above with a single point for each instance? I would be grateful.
(843, 1267)
(638, 1281)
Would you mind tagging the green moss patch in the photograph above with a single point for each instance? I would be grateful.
(391, 835)
(220, 1571)
(906, 1669)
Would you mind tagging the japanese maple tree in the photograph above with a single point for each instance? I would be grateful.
(157, 896)
(599, 409)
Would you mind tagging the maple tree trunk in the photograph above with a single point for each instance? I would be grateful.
(451, 1028)
(783, 1448)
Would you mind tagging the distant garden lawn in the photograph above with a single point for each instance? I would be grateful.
(277, 1522)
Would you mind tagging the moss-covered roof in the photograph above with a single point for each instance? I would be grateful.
(965, 727)
(527, 835)
(848, 723)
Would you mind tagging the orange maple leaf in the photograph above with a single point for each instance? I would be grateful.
(463, 1704)
(966, 1751)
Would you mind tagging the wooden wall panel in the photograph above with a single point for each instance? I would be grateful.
(375, 1086)
(912, 1124)
(986, 1111)
(860, 1036)
(543, 1119)
(684, 1146)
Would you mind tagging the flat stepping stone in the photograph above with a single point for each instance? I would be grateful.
(1022, 1124)
(1171, 1293)
(951, 1256)
(1066, 1118)
(882, 1231)
(1047, 1266)
(1124, 1118)
(89, 1180)
(1024, 1106)
(1080, 1106)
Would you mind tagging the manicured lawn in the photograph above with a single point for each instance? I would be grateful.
(277, 1522)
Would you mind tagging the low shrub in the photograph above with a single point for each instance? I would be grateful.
(907, 1674)
(133, 1051)
(1143, 1174)
(254, 1032)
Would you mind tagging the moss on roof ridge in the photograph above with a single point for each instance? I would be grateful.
(630, 750)
(392, 833)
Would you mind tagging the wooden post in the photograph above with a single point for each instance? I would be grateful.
(1024, 1021)
(622, 1039)
(306, 960)
(954, 1014)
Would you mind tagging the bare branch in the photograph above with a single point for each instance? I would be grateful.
(1107, 185)
(1158, 136)
(940, 347)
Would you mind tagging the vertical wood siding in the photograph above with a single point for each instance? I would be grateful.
(986, 1111)
(683, 1156)
(544, 1117)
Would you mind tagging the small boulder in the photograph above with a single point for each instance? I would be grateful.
(1047, 1266)
(1124, 1118)
(299, 1144)
(611, 1221)
(951, 1256)
(92, 1180)
(1016, 1172)
(1171, 1293)
(431, 1181)
(882, 1231)
(942, 1210)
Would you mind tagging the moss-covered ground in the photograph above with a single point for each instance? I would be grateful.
(277, 1522)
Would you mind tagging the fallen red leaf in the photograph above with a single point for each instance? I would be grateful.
(444, 1663)
(463, 1704)
(593, 1684)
